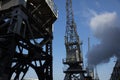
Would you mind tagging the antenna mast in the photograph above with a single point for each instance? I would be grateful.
(96, 74)
(90, 69)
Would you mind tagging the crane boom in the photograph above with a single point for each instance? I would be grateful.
(72, 42)
(74, 60)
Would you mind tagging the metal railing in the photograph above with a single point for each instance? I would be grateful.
(53, 7)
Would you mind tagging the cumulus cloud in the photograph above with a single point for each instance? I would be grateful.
(106, 28)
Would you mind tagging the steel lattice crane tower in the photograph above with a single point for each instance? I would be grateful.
(74, 59)
(26, 34)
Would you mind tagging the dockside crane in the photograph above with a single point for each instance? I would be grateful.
(74, 59)
(26, 34)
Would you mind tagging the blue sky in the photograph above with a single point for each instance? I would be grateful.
(84, 11)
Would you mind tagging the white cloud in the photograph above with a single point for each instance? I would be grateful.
(106, 28)
(99, 23)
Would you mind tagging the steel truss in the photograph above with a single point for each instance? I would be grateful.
(74, 58)
(25, 41)
(73, 77)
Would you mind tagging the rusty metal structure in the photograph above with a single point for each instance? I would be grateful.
(26, 38)
(74, 60)
(116, 71)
